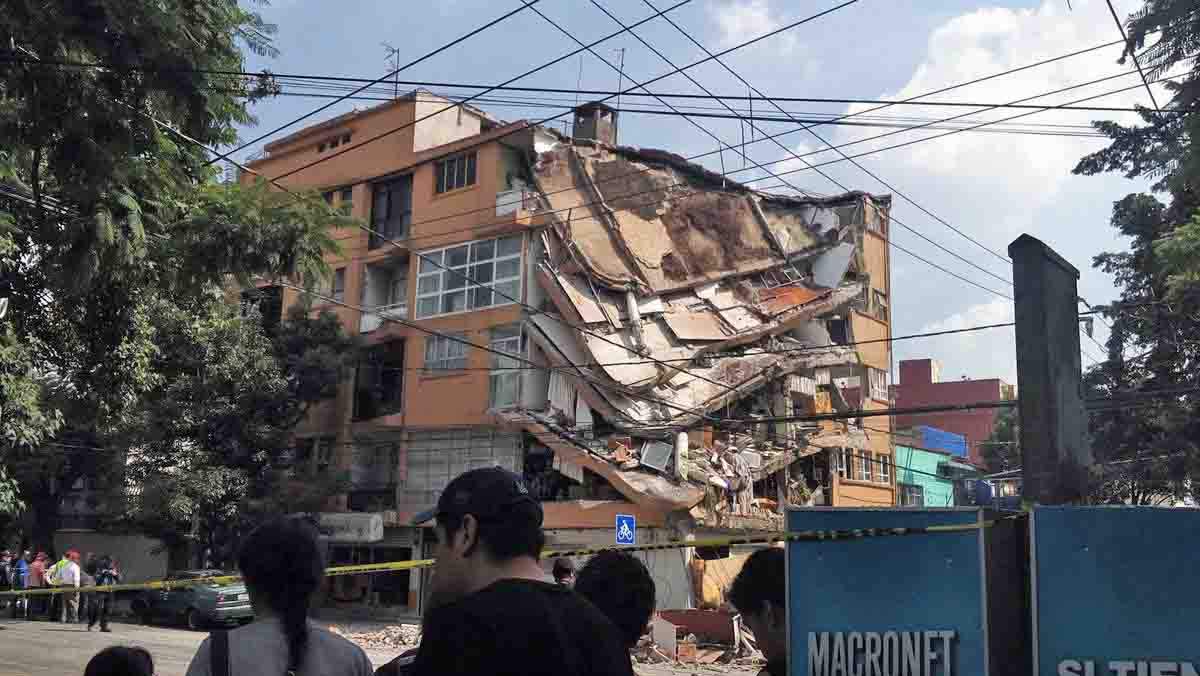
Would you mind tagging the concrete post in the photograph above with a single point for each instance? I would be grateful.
(1055, 456)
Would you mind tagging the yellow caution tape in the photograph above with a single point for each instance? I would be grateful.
(369, 568)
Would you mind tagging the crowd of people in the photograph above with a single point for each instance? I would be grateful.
(29, 571)
(490, 610)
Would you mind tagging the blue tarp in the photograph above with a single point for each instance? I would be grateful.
(940, 440)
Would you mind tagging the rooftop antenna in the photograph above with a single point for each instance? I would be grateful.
(620, 83)
(393, 61)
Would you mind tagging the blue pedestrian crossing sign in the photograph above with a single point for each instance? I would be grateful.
(626, 529)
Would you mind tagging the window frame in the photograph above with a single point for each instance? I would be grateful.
(885, 469)
(396, 218)
(505, 369)
(437, 280)
(872, 390)
(447, 171)
(446, 358)
(865, 470)
(911, 495)
(346, 199)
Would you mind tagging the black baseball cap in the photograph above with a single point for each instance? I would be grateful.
(489, 493)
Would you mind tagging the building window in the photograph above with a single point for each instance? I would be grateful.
(469, 276)
(345, 138)
(333, 143)
(881, 305)
(505, 375)
(379, 381)
(328, 197)
(444, 353)
(885, 469)
(391, 210)
(337, 286)
(321, 147)
(879, 384)
(865, 461)
(842, 462)
(911, 495)
(454, 173)
(308, 448)
(346, 200)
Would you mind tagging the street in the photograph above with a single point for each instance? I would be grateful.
(35, 648)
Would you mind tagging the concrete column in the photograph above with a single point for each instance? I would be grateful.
(1055, 456)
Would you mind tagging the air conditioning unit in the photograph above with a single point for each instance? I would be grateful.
(753, 460)
(657, 455)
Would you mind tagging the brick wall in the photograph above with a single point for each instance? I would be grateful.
(916, 389)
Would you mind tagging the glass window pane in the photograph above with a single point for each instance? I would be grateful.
(508, 268)
(460, 178)
(481, 273)
(456, 278)
(508, 292)
(430, 261)
(427, 307)
(429, 284)
(470, 169)
(481, 296)
(439, 171)
(506, 332)
(456, 256)
(508, 246)
(431, 349)
(454, 302)
(481, 251)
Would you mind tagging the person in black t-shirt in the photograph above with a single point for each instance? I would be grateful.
(491, 612)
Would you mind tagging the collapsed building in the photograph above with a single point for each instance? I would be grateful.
(680, 308)
(638, 336)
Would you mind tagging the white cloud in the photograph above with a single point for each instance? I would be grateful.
(996, 186)
(741, 20)
(987, 353)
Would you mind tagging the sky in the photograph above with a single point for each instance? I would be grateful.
(991, 186)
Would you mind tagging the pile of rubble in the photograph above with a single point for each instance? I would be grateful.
(389, 637)
(668, 644)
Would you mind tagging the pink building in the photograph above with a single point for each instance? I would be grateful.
(920, 386)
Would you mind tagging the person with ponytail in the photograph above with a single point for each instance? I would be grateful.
(282, 566)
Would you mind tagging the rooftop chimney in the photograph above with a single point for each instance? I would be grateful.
(596, 122)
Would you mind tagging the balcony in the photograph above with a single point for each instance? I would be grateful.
(374, 317)
(513, 202)
(384, 294)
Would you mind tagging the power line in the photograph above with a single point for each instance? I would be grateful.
(616, 387)
(709, 153)
(957, 131)
(597, 92)
(868, 172)
(406, 125)
(674, 110)
(1129, 49)
(428, 55)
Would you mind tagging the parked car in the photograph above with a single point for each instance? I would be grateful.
(196, 605)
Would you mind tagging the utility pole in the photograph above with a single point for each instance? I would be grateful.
(1055, 456)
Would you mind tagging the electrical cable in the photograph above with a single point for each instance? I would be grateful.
(780, 108)
(526, 4)
(1128, 48)
(675, 110)
(958, 131)
(385, 134)
(597, 92)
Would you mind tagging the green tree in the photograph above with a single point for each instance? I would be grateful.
(1002, 450)
(1147, 449)
(114, 234)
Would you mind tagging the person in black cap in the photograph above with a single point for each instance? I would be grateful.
(490, 610)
